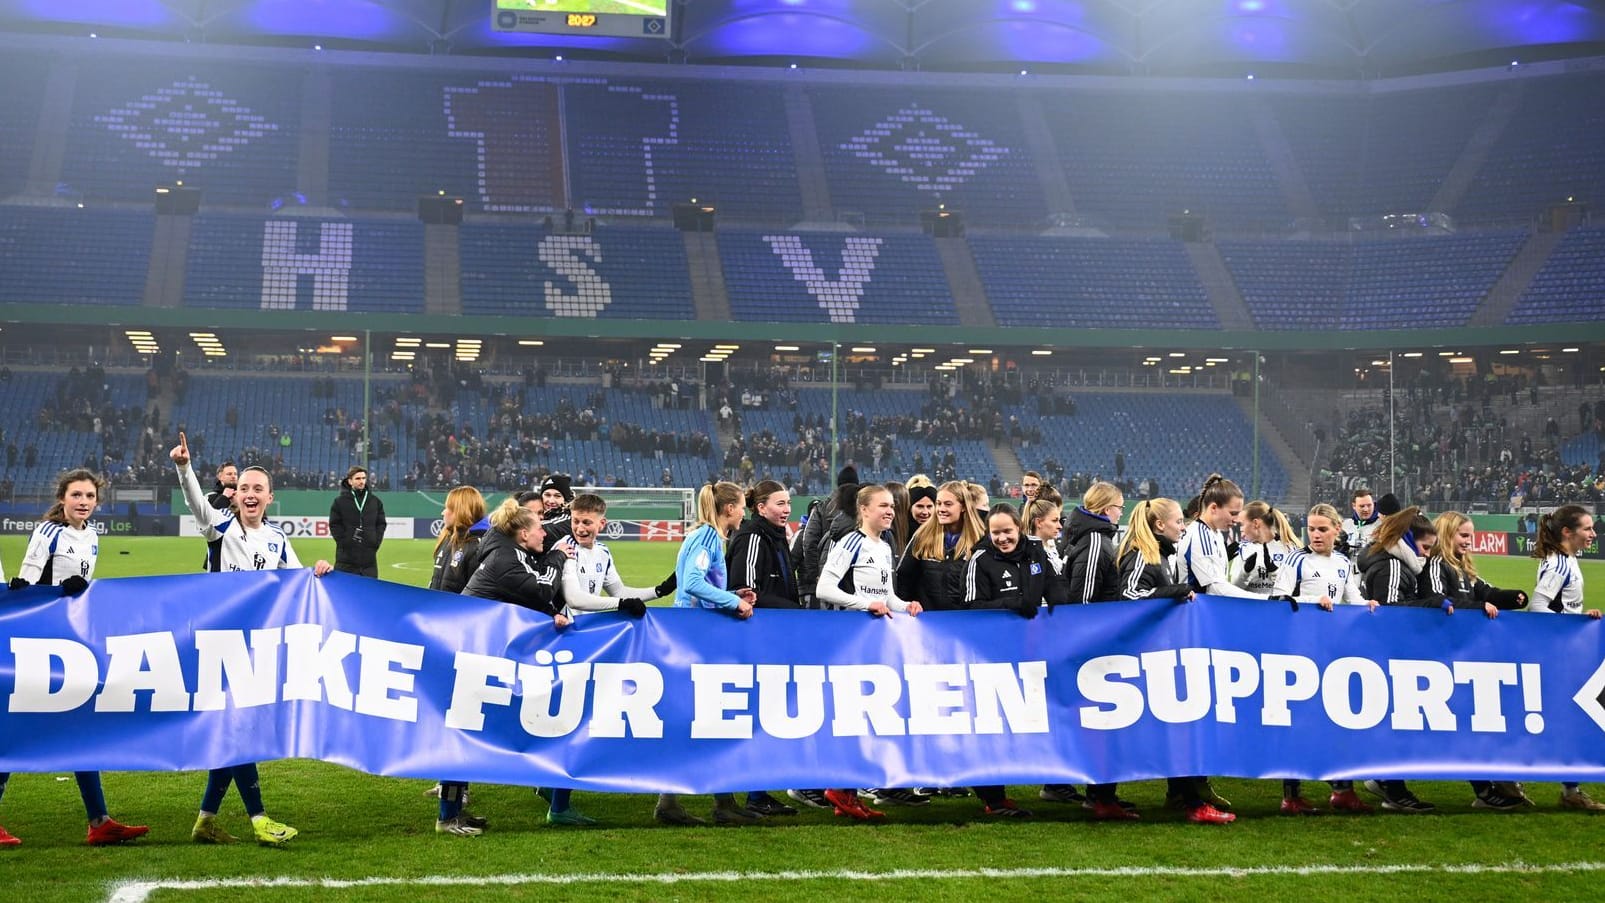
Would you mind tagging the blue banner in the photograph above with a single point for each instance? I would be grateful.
(201, 671)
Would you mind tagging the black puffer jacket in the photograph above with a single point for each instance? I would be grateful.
(453, 566)
(1394, 577)
(760, 560)
(1442, 580)
(357, 530)
(1089, 566)
(1021, 580)
(936, 583)
(1141, 580)
(508, 572)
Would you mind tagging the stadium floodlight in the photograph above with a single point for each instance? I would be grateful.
(1178, 354)
(1570, 350)
(1041, 352)
(864, 349)
(531, 343)
(342, 338)
(962, 360)
(1217, 360)
(1412, 354)
(405, 341)
(923, 350)
(980, 351)
(788, 348)
(1511, 351)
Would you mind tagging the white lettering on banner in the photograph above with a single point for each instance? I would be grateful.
(229, 672)
(1007, 698)
(330, 268)
(566, 254)
(1355, 693)
(253, 677)
(839, 299)
(615, 713)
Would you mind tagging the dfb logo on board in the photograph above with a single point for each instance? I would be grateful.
(662, 531)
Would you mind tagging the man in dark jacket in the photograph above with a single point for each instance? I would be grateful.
(221, 497)
(357, 524)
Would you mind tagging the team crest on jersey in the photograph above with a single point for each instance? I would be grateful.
(1036, 568)
(1343, 573)
(273, 547)
(457, 558)
(885, 577)
(599, 567)
(1331, 590)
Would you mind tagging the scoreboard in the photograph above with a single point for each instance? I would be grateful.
(610, 18)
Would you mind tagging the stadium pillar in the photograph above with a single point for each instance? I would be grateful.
(367, 396)
(1255, 480)
(835, 387)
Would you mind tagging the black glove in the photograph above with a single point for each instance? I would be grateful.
(1288, 599)
(667, 587)
(19, 583)
(73, 585)
(1249, 562)
(1232, 549)
(1027, 611)
(1270, 565)
(635, 608)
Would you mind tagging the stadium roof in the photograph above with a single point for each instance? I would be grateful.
(1296, 38)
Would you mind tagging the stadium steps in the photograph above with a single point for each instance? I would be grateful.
(709, 295)
(1458, 181)
(1039, 138)
(1298, 473)
(1219, 285)
(443, 280)
(805, 150)
(1517, 277)
(169, 260)
(969, 296)
(1295, 190)
(1007, 461)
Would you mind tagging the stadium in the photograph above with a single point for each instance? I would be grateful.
(1313, 245)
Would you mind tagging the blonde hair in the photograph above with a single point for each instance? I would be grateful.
(927, 543)
(1447, 525)
(510, 517)
(979, 500)
(464, 508)
(1266, 513)
(1326, 511)
(1140, 533)
(866, 494)
(1101, 495)
(918, 481)
(714, 498)
(1038, 509)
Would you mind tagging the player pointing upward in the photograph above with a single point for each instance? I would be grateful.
(238, 539)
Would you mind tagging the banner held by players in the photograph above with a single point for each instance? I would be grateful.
(201, 671)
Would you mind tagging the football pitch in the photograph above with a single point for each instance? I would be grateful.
(367, 838)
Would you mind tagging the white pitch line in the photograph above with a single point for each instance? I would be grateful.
(140, 891)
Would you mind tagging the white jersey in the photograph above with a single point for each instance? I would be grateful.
(1203, 562)
(1560, 586)
(590, 574)
(869, 561)
(57, 551)
(231, 546)
(1258, 564)
(1358, 533)
(1307, 576)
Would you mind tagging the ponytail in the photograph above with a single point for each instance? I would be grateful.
(760, 493)
(1140, 533)
(1552, 529)
(1039, 508)
(1218, 491)
(1266, 513)
(714, 498)
(511, 517)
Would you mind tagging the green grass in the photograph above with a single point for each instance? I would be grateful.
(356, 826)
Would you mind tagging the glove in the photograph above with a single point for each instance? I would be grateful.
(635, 608)
(1232, 549)
(1027, 611)
(1288, 599)
(667, 587)
(73, 585)
(1249, 562)
(19, 583)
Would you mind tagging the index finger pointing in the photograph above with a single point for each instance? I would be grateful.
(182, 441)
